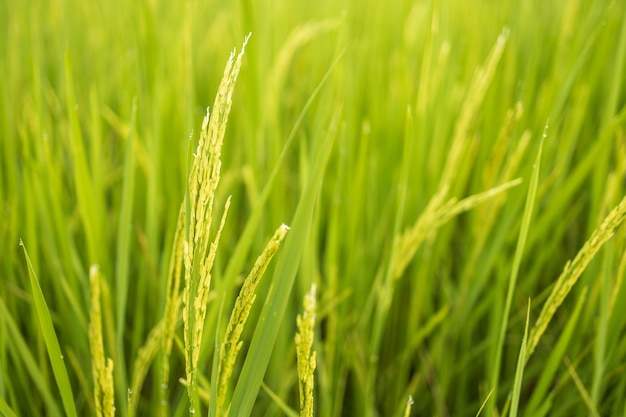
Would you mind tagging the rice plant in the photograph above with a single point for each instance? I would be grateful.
(366, 209)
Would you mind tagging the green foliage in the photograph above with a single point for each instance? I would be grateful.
(52, 343)
(399, 142)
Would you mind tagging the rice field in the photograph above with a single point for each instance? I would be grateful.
(334, 208)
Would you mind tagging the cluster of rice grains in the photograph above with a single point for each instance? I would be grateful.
(102, 367)
(573, 270)
(193, 255)
(306, 358)
(238, 317)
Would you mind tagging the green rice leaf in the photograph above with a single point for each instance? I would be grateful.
(21, 350)
(123, 258)
(5, 410)
(290, 412)
(517, 260)
(482, 406)
(519, 371)
(52, 342)
(244, 242)
(591, 408)
(554, 360)
(273, 311)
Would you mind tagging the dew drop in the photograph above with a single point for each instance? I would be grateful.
(192, 410)
(163, 386)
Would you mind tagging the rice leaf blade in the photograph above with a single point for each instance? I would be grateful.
(123, 260)
(21, 350)
(273, 311)
(519, 371)
(52, 342)
(517, 260)
(5, 410)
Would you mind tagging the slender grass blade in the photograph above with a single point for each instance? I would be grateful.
(52, 342)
